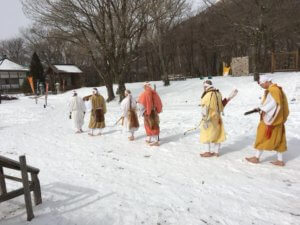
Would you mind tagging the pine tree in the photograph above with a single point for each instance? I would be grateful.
(36, 69)
(26, 89)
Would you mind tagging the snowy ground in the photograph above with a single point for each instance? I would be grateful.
(108, 180)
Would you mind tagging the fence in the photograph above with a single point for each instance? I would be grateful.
(285, 61)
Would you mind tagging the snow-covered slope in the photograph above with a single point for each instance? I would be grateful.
(108, 180)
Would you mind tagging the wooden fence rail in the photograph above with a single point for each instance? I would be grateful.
(32, 185)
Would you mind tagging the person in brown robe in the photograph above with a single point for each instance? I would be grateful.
(97, 118)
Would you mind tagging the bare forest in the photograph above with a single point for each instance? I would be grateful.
(121, 41)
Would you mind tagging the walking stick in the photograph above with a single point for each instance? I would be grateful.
(195, 128)
(118, 120)
(252, 111)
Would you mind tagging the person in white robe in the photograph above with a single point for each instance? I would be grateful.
(77, 111)
(128, 108)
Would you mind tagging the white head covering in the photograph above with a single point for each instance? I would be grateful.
(147, 84)
(264, 78)
(207, 84)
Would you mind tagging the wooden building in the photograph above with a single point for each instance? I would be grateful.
(67, 75)
(12, 75)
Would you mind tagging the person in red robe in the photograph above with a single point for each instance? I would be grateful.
(151, 106)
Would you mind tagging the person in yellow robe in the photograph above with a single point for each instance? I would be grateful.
(98, 110)
(274, 112)
(212, 132)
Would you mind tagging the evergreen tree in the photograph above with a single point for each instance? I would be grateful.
(36, 69)
(26, 89)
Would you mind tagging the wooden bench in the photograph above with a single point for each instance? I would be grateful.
(176, 77)
(28, 186)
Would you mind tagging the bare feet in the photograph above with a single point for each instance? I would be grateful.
(278, 163)
(131, 138)
(253, 160)
(207, 154)
(154, 143)
(147, 141)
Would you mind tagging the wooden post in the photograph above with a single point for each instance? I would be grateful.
(272, 62)
(297, 60)
(2, 182)
(36, 189)
(27, 195)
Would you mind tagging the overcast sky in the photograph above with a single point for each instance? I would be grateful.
(12, 17)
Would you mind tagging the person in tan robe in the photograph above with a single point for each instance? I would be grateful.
(98, 110)
(274, 112)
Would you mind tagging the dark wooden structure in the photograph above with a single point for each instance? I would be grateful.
(32, 185)
(67, 75)
(285, 61)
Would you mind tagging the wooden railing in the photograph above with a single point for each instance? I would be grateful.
(28, 185)
(285, 61)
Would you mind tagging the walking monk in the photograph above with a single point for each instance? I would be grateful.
(98, 105)
(130, 120)
(77, 111)
(151, 107)
(274, 112)
(212, 132)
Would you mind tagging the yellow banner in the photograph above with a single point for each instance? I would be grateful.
(226, 71)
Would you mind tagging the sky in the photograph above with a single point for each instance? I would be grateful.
(12, 17)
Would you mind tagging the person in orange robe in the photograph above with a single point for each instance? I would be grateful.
(151, 106)
(274, 111)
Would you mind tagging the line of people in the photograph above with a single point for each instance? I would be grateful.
(270, 136)
(149, 103)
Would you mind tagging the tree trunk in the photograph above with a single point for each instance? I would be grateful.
(165, 77)
(110, 91)
(121, 90)
(255, 61)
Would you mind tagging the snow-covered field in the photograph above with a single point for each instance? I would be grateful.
(111, 181)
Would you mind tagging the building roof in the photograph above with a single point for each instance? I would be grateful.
(66, 69)
(8, 65)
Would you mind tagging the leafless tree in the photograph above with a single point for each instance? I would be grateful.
(110, 31)
(15, 49)
(165, 14)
